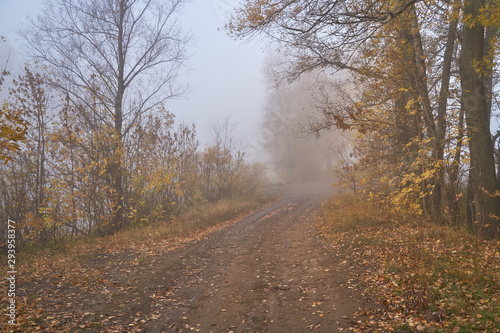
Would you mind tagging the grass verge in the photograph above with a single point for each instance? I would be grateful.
(194, 222)
(421, 277)
(92, 266)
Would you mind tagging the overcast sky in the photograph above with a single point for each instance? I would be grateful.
(225, 76)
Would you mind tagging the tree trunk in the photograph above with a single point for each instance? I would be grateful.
(482, 165)
(423, 92)
(116, 166)
(455, 165)
(441, 114)
(116, 170)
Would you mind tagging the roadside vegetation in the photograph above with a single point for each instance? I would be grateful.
(87, 268)
(421, 277)
(56, 185)
(192, 223)
(417, 101)
(87, 144)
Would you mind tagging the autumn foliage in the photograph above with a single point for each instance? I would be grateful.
(420, 277)
(58, 184)
(418, 95)
(12, 126)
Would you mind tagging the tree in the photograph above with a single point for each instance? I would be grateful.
(475, 98)
(159, 171)
(117, 59)
(25, 178)
(12, 126)
(222, 172)
(295, 154)
(30, 93)
(405, 66)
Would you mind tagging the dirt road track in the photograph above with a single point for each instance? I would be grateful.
(267, 273)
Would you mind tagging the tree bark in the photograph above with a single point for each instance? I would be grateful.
(482, 165)
(423, 92)
(442, 108)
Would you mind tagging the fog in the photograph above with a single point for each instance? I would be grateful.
(231, 78)
(296, 152)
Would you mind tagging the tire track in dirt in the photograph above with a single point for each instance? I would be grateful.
(267, 273)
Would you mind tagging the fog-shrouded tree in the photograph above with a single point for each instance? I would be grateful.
(12, 126)
(223, 173)
(416, 76)
(296, 153)
(115, 60)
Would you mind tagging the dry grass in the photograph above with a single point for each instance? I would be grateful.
(193, 223)
(193, 220)
(423, 277)
(91, 266)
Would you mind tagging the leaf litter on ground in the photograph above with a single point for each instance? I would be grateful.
(94, 284)
(422, 277)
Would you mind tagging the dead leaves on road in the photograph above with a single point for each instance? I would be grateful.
(95, 284)
(285, 208)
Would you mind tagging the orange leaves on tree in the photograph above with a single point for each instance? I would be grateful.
(12, 127)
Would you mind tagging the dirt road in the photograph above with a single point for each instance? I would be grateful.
(267, 273)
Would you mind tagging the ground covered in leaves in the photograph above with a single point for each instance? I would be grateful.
(265, 271)
(421, 277)
(106, 284)
(288, 265)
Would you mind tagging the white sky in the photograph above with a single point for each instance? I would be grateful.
(225, 76)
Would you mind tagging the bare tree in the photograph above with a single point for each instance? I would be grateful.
(221, 157)
(118, 58)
